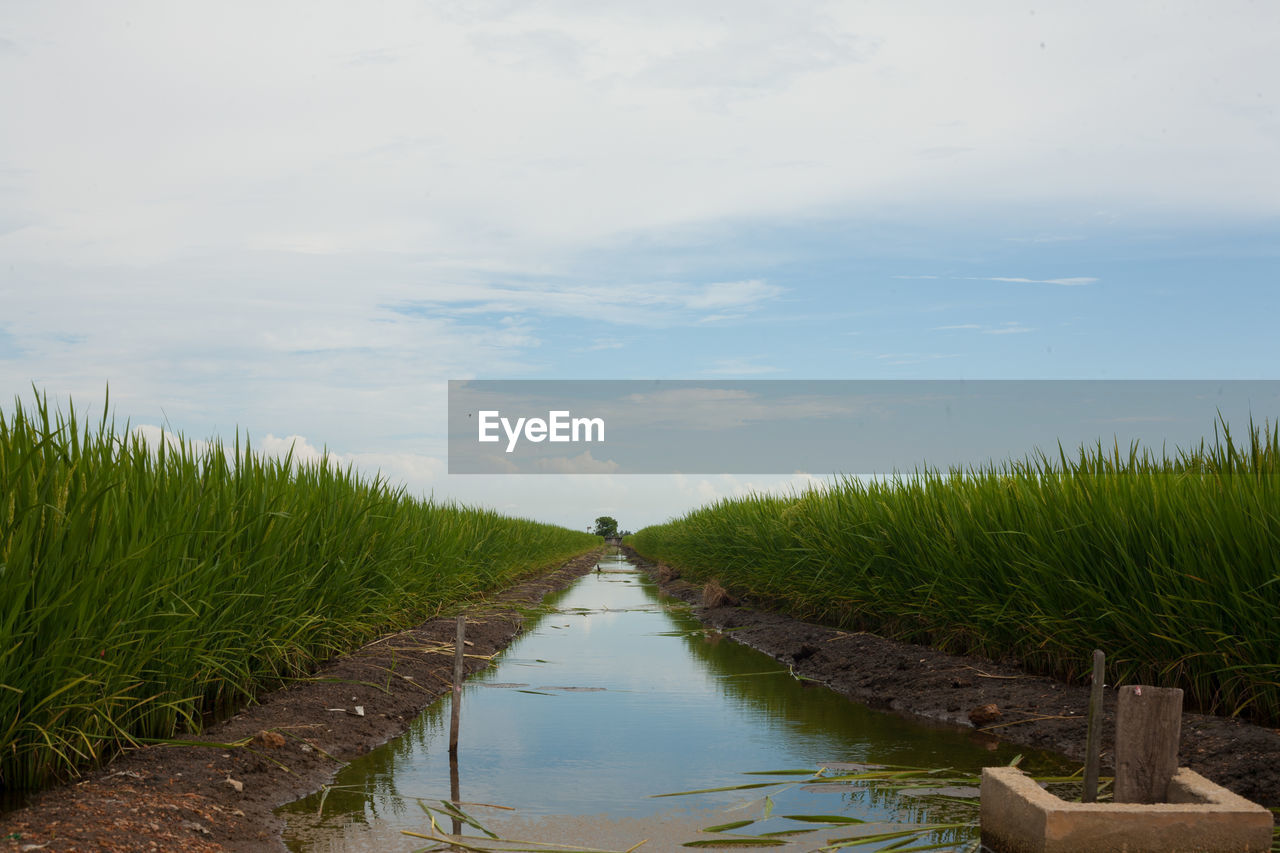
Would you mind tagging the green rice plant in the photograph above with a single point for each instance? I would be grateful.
(1169, 563)
(143, 588)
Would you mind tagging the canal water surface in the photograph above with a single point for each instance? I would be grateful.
(614, 695)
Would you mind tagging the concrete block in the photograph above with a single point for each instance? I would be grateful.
(1018, 816)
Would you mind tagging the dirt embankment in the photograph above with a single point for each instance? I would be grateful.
(196, 798)
(1033, 710)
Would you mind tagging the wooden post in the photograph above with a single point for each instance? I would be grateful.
(455, 719)
(1148, 725)
(1093, 741)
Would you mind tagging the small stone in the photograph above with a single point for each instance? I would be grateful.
(984, 715)
(268, 740)
(237, 784)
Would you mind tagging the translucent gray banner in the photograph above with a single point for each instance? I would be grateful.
(826, 426)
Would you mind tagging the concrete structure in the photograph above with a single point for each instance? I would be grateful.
(1018, 816)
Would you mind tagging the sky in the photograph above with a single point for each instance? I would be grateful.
(301, 220)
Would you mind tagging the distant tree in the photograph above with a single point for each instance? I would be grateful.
(606, 526)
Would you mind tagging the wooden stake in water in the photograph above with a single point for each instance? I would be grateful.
(1093, 741)
(456, 718)
(1148, 725)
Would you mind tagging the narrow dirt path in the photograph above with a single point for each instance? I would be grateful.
(198, 798)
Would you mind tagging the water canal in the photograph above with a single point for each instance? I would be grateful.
(615, 694)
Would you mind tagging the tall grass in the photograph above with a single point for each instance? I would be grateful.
(143, 587)
(1170, 564)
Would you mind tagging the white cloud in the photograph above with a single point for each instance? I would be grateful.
(583, 463)
(646, 304)
(1011, 328)
(715, 319)
(1075, 281)
(304, 453)
(193, 131)
(730, 294)
(603, 344)
(680, 398)
(1047, 238)
(900, 359)
(1070, 281)
(716, 408)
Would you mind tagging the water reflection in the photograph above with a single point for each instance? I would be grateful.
(612, 696)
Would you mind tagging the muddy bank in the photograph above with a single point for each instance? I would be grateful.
(206, 798)
(1034, 711)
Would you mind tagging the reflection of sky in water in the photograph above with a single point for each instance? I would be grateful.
(676, 713)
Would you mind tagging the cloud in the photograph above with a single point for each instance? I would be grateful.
(730, 294)
(1010, 327)
(1047, 238)
(549, 49)
(495, 464)
(899, 359)
(1076, 281)
(681, 398)
(8, 345)
(694, 116)
(375, 56)
(763, 58)
(645, 304)
(323, 272)
(602, 344)
(583, 463)
(1072, 281)
(304, 453)
(939, 152)
(716, 408)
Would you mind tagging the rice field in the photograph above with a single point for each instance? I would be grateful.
(142, 588)
(1169, 563)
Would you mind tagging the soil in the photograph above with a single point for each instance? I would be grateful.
(184, 798)
(200, 798)
(918, 681)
